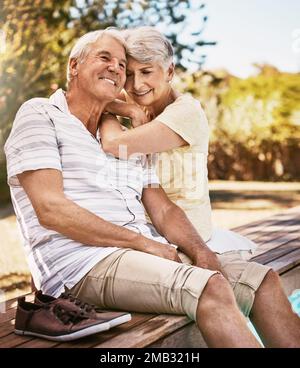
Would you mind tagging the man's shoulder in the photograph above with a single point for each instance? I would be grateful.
(31, 111)
(35, 103)
(37, 108)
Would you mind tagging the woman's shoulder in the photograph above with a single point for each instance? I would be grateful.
(184, 99)
(188, 107)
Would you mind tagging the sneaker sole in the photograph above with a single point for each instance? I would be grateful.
(73, 336)
(119, 320)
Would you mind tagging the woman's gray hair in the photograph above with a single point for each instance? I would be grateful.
(83, 44)
(146, 45)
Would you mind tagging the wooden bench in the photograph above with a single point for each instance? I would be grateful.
(278, 239)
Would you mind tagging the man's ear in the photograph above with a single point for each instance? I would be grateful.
(171, 70)
(73, 67)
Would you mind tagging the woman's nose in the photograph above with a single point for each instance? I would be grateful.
(137, 83)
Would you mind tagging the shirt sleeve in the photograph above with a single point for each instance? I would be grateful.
(186, 117)
(32, 143)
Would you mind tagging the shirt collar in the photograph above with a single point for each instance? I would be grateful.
(59, 100)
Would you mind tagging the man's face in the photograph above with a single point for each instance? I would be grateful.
(102, 73)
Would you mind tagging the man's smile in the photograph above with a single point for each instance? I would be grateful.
(111, 81)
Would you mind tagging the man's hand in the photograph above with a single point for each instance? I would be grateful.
(162, 250)
(205, 258)
(138, 116)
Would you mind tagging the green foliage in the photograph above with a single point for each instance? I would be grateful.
(37, 42)
(39, 35)
(254, 123)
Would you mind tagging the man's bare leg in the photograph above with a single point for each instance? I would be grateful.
(219, 318)
(272, 315)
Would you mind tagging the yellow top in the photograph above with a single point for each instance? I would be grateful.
(183, 171)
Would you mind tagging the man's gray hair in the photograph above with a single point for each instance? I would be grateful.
(83, 44)
(147, 45)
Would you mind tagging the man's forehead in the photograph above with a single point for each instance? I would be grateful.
(110, 45)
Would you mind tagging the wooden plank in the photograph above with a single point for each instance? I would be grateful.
(282, 239)
(286, 262)
(188, 336)
(12, 340)
(277, 252)
(6, 329)
(281, 216)
(292, 231)
(276, 220)
(255, 233)
(274, 243)
(34, 342)
(263, 236)
(255, 230)
(147, 333)
(8, 315)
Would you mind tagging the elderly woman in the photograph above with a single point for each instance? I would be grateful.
(178, 131)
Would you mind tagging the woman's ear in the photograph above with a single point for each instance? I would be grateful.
(73, 66)
(171, 70)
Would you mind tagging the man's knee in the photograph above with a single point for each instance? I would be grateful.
(271, 280)
(216, 293)
(272, 276)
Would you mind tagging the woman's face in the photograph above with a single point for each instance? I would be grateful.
(147, 84)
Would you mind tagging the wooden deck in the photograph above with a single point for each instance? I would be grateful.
(278, 238)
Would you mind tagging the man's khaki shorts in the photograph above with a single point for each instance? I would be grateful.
(140, 282)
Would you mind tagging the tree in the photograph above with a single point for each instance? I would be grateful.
(39, 35)
(254, 122)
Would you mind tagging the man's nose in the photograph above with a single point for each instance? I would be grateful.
(114, 65)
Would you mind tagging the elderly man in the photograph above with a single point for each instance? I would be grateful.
(82, 215)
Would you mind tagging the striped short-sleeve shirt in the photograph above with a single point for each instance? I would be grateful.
(45, 135)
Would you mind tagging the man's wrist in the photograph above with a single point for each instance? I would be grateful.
(198, 251)
(140, 242)
(132, 111)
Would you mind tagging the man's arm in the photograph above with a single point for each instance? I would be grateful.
(129, 110)
(173, 224)
(55, 212)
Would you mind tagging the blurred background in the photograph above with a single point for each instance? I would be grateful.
(240, 59)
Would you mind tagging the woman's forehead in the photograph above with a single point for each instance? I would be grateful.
(134, 64)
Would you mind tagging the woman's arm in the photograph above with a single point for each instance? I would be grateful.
(147, 138)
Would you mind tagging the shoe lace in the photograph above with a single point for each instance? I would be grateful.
(85, 307)
(67, 316)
